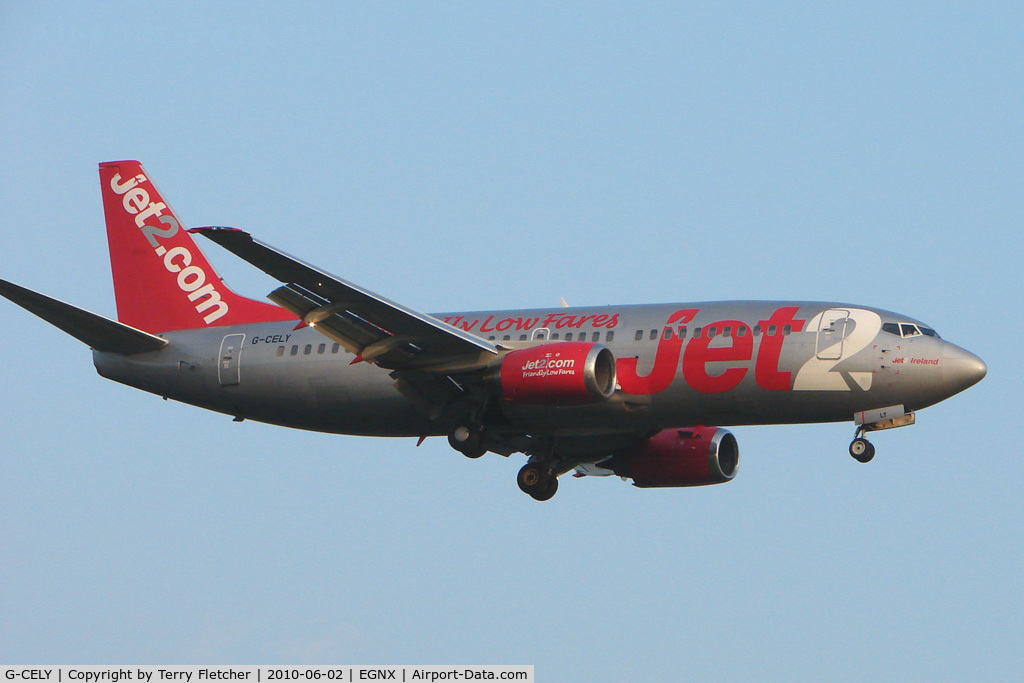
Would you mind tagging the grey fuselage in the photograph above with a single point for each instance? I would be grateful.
(708, 363)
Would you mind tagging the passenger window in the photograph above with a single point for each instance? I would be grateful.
(667, 334)
(639, 335)
(554, 335)
(507, 337)
(727, 332)
(654, 335)
(757, 330)
(787, 329)
(308, 349)
(741, 331)
(696, 332)
(609, 336)
(712, 331)
(295, 349)
(771, 330)
(491, 338)
(280, 351)
(595, 337)
(682, 332)
(568, 336)
(334, 349)
(522, 337)
(320, 349)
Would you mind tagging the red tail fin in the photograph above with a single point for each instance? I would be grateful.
(161, 280)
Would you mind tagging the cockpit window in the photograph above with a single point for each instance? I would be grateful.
(907, 330)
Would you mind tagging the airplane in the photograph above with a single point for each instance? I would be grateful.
(637, 391)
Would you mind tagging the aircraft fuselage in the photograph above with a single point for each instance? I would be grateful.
(722, 363)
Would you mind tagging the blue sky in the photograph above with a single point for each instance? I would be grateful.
(465, 156)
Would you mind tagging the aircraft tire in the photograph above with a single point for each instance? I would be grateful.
(533, 479)
(467, 440)
(549, 491)
(862, 450)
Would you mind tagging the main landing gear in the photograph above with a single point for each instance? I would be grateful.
(538, 481)
(468, 440)
(537, 478)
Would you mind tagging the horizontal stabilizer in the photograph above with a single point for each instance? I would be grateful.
(102, 334)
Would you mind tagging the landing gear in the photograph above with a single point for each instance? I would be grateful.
(873, 421)
(862, 450)
(468, 440)
(537, 481)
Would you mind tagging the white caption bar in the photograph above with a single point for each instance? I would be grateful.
(261, 674)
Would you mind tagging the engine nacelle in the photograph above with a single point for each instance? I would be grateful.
(559, 373)
(693, 456)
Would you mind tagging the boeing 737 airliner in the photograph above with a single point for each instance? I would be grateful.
(636, 391)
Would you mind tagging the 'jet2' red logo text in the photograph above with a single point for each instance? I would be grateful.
(699, 353)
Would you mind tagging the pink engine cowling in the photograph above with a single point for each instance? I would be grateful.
(560, 373)
(692, 456)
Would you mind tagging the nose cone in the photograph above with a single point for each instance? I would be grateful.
(962, 369)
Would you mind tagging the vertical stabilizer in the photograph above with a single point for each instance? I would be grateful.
(162, 281)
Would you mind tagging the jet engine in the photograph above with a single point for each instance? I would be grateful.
(693, 456)
(559, 373)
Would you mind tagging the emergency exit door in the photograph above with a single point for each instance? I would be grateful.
(230, 356)
(831, 332)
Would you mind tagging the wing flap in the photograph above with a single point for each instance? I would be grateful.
(102, 334)
(332, 319)
(396, 336)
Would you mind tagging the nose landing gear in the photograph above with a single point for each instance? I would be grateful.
(873, 421)
(861, 449)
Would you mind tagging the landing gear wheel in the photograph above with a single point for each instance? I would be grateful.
(537, 481)
(549, 491)
(468, 441)
(870, 453)
(862, 450)
(531, 478)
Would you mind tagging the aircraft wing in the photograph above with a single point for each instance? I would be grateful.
(367, 324)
